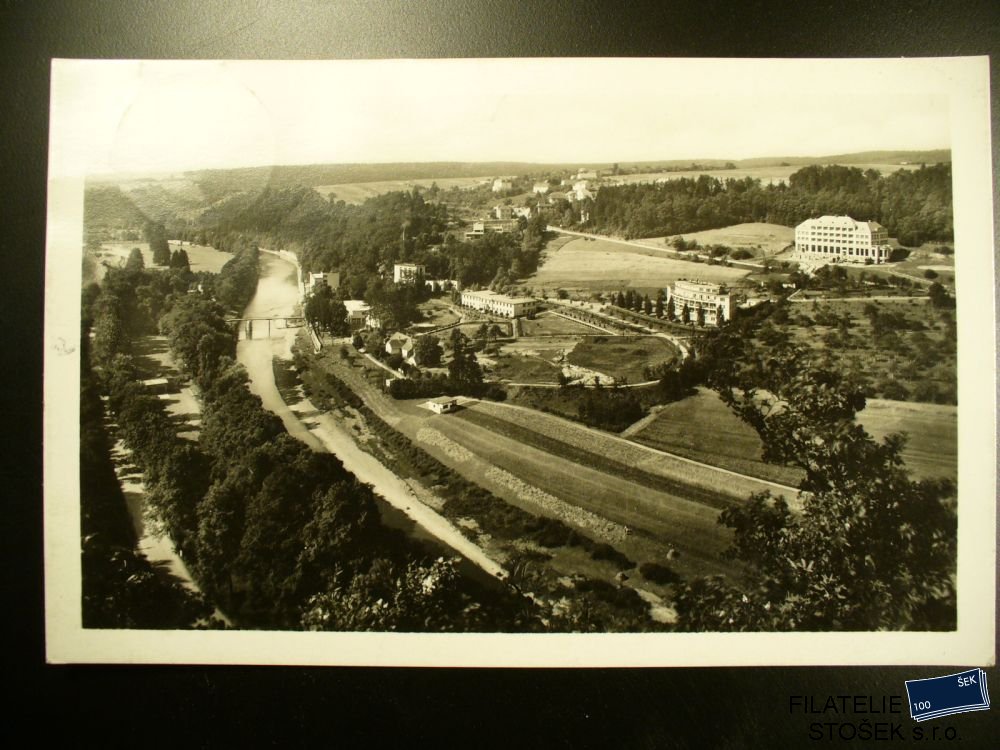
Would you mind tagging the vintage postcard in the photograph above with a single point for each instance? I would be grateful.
(520, 362)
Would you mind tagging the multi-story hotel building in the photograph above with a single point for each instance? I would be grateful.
(715, 299)
(499, 304)
(842, 239)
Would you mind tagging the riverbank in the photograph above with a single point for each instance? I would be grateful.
(277, 295)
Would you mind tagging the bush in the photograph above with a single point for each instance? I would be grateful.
(609, 553)
(659, 573)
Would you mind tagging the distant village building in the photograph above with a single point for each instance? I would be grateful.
(359, 315)
(443, 404)
(842, 239)
(503, 212)
(501, 185)
(499, 304)
(406, 273)
(581, 191)
(400, 343)
(715, 299)
(315, 280)
(441, 285)
(540, 188)
(586, 174)
(490, 226)
(522, 211)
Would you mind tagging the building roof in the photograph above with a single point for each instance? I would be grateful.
(356, 305)
(840, 222)
(442, 400)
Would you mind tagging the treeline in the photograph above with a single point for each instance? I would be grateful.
(120, 588)
(237, 281)
(364, 241)
(914, 205)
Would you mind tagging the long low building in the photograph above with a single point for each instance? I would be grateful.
(499, 304)
(842, 239)
(689, 297)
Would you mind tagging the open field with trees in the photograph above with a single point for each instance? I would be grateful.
(757, 238)
(902, 350)
(359, 192)
(597, 265)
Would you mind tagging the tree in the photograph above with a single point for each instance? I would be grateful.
(870, 548)
(135, 261)
(494, 333)
(659, 307)
(670, 309)
(700, 316)
(179, 260)
(464, 371)
(427, 350)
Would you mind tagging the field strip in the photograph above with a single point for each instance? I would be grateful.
(601, 461)
(559, 508)
(584, 322)
(752, 484)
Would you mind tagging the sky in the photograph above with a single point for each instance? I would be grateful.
(114, 116)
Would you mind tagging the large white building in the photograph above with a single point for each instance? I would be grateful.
(499, 304)
(842, 239)
(715, 299)
(360, 315)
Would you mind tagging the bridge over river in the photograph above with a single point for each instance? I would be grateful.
(274, 327)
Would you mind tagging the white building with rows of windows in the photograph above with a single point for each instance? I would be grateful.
(716, 300)
(499, 304)
(841, 239)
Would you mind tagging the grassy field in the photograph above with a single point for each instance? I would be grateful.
(932, 429)
(200, 257)
(598, 265)
(548, 324)
(703, 428)
(436, 313)
(621, 357)
(758, 238)
(526, 368)
(359, 192)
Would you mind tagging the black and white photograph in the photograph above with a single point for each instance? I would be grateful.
(520, 362)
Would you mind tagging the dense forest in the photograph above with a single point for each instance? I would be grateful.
(915, 205)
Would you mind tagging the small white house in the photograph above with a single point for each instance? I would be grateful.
(442, 404)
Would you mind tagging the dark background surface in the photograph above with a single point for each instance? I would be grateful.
(215, 707)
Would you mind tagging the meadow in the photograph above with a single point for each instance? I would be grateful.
(759, 238)
(585, 265)
(359, 192)
(622, 357)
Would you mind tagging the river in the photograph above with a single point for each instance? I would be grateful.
(278, 295)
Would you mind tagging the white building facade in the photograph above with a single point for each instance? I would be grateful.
(406, 273)
(499, 304)
(841, 239)
(716, 300)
